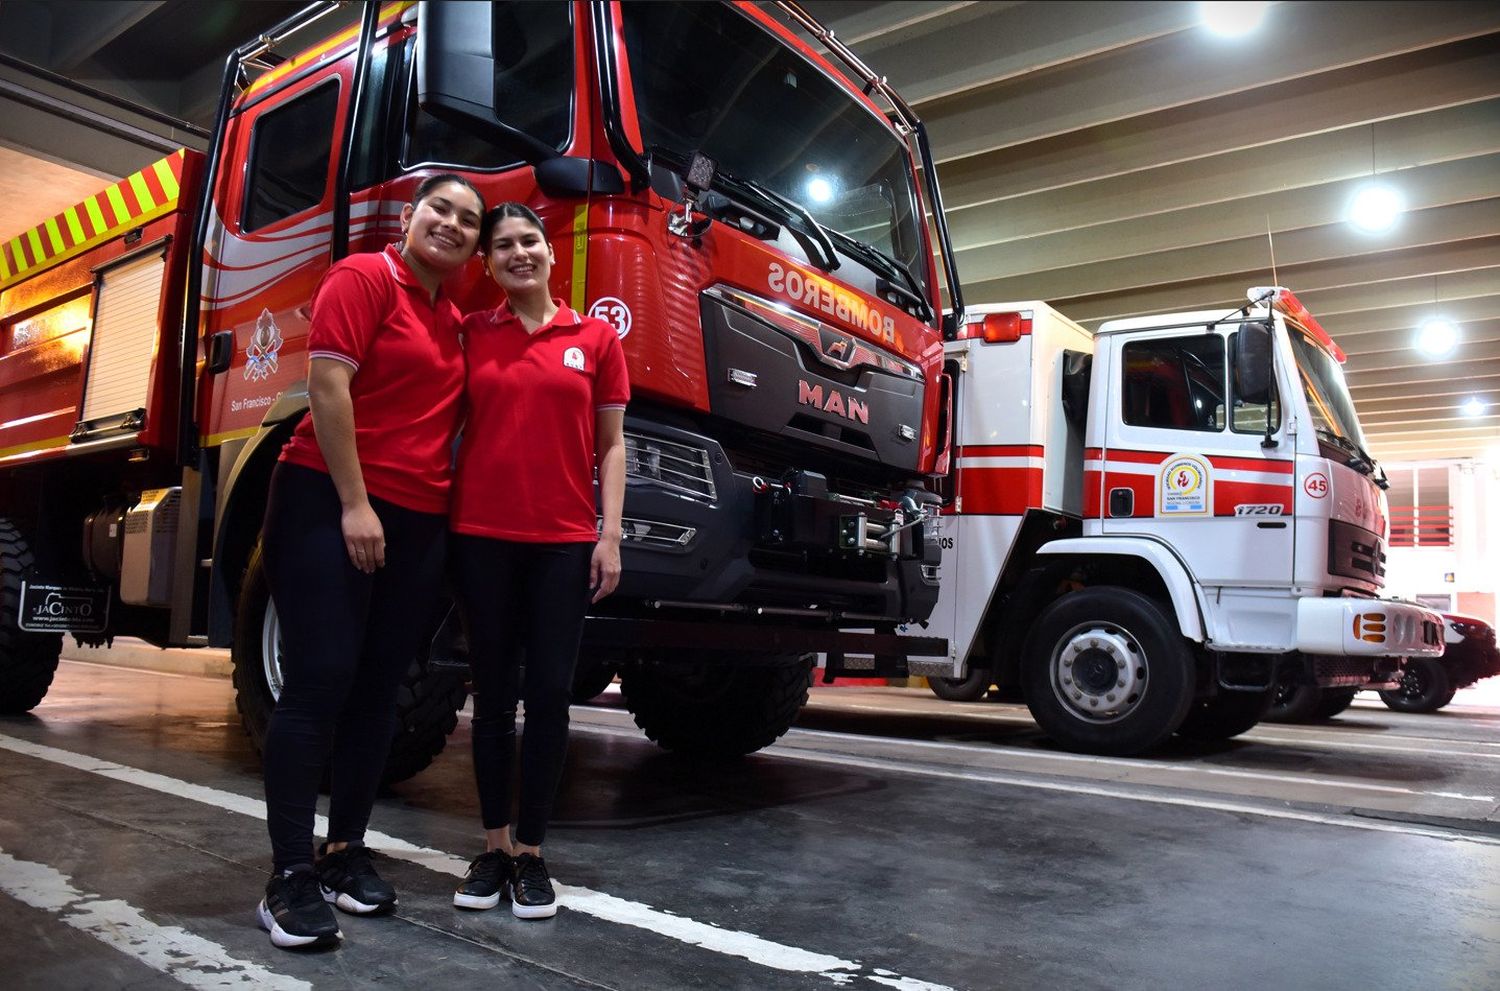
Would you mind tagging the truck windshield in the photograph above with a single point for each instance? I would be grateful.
(1327, 393)
(707, 79)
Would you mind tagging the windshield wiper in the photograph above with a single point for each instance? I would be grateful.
(1381, 479)
(793, 211)
(808, 232)
(873, 257)
(1358, 459)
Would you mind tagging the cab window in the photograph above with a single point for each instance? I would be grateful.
(289, 154)
(1175, 383)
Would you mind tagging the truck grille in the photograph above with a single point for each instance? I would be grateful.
(678, 467)
(1354, 552)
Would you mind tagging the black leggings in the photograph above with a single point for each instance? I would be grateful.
(347, 640)
(523, 602)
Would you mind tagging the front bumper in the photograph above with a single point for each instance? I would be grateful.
(1353, 627)
(750, 544)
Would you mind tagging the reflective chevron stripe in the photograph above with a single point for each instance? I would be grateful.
(135, 200)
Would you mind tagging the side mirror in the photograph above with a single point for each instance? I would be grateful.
(456, 54)
(1077, 369)
(1252, 363)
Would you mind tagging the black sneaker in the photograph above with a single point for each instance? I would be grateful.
(487, 881)
(294, 912)
(349, 881)
(531, 894)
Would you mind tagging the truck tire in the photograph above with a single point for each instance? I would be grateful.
(427, 702)
(1425, 687)
(27, 660)
(591, 678)
(715, 710)
(1105, 671)
(1293, 701)
(967, 689)
(1226, 715)
(1332, 701)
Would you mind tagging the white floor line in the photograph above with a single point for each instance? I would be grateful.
(1292, 741)
(1216, 805)
(1145, 764)
(735, 943)
(993, 777)
(1304, 735)
(123, 668)
(186, 958)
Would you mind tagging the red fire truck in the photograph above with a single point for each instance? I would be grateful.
(747, 212)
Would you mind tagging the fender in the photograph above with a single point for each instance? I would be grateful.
(1185, 592)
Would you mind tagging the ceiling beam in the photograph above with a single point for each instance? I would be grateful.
(867, 23)
(1372, 330)
(1172, 295)
(1294, 214)
(1237, 184)
(1416, 82)
(1247, 256)
(1188, 67)
(1432, 290)
(962, 48)
(82, 30)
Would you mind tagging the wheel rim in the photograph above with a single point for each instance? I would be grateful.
(1413, 683)
(1286, 687)
(1099, 672)
(270, 650)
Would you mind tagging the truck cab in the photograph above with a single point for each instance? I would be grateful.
(1192, 485)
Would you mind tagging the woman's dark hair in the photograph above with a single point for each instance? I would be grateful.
(442, 178)
(492, 219)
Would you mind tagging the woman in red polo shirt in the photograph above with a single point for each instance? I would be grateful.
(354, 547)
(546, 407)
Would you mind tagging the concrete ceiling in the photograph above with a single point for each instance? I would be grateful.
(1115, 159)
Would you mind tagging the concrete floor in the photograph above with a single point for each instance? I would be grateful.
(891, 841)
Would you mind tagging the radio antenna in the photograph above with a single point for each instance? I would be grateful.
(1271, 244)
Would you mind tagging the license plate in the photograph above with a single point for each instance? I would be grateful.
(64, 608)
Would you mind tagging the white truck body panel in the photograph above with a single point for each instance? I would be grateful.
(1237, 529)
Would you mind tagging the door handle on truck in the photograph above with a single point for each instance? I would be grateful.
(220, 351)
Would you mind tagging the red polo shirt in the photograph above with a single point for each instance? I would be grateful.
(526, 464)
(372, 313)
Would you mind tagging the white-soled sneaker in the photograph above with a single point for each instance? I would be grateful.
(294, 913)
(531, 894)
(486, 883)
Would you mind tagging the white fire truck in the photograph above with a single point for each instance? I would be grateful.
(1149, 526)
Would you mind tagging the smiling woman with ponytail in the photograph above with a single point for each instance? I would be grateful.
(354, 542)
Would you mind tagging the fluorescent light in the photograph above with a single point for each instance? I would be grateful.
(820, 189)
(1437, 338)
(1376, 208)
(1474, 406)
(1232, 19)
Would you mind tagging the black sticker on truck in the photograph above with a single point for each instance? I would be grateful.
(64, 608)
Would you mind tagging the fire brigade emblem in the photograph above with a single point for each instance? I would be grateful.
(1185, 487)
(265, 345)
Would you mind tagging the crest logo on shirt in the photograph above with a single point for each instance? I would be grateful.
(573, 358)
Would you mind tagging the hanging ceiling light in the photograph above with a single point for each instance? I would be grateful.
(1437, 338)
(1232, 19)
(1376, 207)
(1474, 406)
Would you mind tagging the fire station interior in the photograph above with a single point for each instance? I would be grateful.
(1113, 162)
